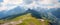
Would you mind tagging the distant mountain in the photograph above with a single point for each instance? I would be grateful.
(14, 11)
(34, 13)
(51, 14)
(55, 12)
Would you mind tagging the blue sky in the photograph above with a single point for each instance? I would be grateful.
(1, 0)
(58, 0)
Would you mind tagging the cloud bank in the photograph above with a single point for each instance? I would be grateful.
(11, 4)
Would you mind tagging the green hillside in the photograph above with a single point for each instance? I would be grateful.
(26, 19)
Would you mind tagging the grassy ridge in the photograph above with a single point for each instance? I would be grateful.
(27, 19)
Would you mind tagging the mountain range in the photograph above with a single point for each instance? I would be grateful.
(51, 14)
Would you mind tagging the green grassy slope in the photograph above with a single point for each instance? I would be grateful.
(27, 19)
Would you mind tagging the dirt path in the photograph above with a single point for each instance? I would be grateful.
(13, 23)
(20, 21)
(42, 21)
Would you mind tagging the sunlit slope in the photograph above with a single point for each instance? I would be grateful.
(23, 17)
(27, 19)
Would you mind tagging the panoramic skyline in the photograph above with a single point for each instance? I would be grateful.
(29, 12)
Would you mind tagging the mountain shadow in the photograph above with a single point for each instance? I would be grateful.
(34, 13)
(56, 12)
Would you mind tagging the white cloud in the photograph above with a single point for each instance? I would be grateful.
(43, 4)
(9, 4)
